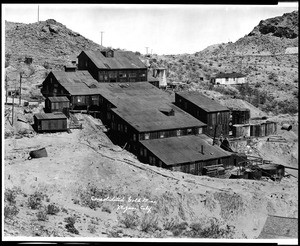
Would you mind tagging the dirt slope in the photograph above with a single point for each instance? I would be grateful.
(85, 160)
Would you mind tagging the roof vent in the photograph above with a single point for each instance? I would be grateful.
(70, 68)
(167, 111)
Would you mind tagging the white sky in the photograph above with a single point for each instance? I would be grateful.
(165, 29)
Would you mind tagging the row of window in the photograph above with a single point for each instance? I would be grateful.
(152, 160)
(119, 127)
(114, 75)
(179, 132)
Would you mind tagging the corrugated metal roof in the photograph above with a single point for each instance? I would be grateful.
(230, 75)
(184, 149)
(202, 101)
(140, 104)
(58, 99)
(279, 227)
(77, 83)
(50, 116)
(120, 60)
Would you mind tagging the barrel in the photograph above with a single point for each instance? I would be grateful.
(39, 153)
(287, 127)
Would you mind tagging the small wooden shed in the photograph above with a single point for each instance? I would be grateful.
(56, 104)
(50, 122)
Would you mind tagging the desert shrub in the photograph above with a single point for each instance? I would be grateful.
(46, 65)
(170, 224)
(35, 200)
(70, 226)
(52, 209)
(42, 215)
(70, 220)
(211, 229)
(130, 220)
(149, 223)
(10, 211)
(92, 228)
(106, 209)
(10, 196)
(273, 76)
(179, 228)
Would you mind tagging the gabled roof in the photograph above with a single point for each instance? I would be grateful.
(202, 101)
(50, 116)
(120, 60)
(184, 149)
(149, 120)
(230, 75)
(79, 82)
(140, 105)
(58, 99)
(279, 227)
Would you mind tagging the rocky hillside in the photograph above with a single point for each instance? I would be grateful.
(46, 42)
(268, 55)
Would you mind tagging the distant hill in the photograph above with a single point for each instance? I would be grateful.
(45, 41)
(268, 55)
(269, 37)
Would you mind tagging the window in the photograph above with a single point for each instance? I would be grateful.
(108, 116)
(113, 75)
(131, 75)
(101, 99)
(125, 129)
(86, 63)
(131, 80)
(122, 75)
(134, 137)
(143, 75)
(200, 130)
(54, 91)
(55, 85)
(160, 163)
(178, 132)
(147, 135)
(141, 152)
(145, 152)
(162, 134)
(189, 131)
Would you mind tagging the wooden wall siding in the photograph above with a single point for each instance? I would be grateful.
(85, 63)
(57, 106)
(195, 168)
(221, 119)
(51, 125)
(52, 88)
(110, 75)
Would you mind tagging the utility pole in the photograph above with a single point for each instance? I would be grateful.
(20, 88)
(13, 106)
(146, 50)
(6, 88)
(101, 37)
